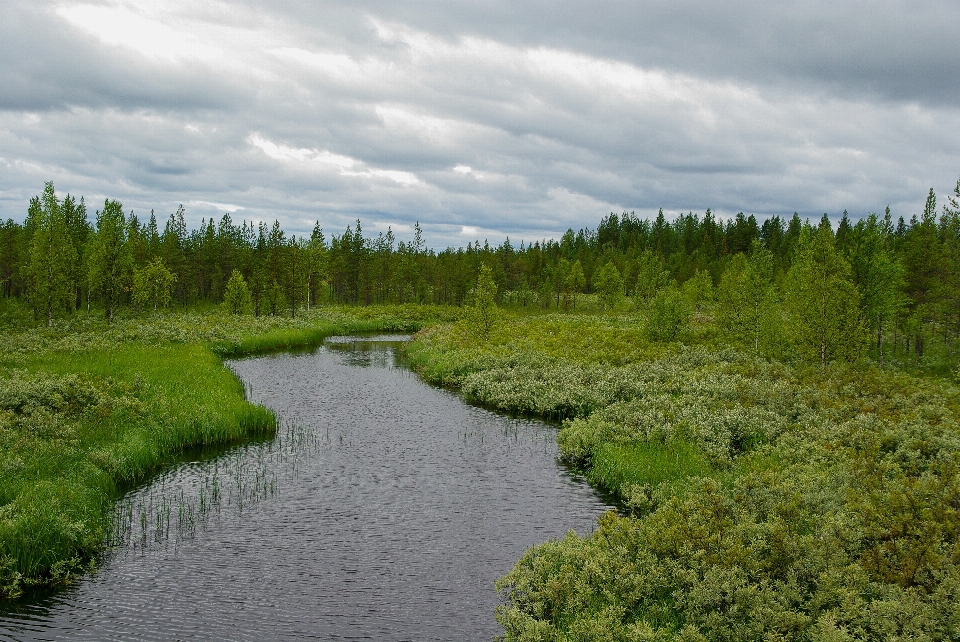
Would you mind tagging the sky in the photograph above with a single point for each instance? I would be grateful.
(479, 120)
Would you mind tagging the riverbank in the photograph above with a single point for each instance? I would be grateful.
(88, 409)
(761, 498)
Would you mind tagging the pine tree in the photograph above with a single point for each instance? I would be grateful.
(52, 257)
(111, 266)
(924, 260)
(877, 275)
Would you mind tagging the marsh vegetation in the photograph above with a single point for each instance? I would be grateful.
(774, 405)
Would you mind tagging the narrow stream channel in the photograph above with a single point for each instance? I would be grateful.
(385, 509)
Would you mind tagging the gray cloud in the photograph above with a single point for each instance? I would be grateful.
(480, 118)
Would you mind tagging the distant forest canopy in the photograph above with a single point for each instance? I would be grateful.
(903, 274)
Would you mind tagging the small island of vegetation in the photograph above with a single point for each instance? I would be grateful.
(773, 405)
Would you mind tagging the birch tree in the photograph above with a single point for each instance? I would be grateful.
(821, 301)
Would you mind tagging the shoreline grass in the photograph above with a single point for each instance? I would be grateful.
(88, 409)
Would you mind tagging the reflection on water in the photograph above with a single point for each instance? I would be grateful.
(384, 509)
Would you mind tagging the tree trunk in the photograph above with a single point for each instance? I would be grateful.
(880, 340)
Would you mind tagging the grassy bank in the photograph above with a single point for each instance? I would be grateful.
(762, 500)
(87, 409)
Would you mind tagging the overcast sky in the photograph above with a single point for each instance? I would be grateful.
(479, 119)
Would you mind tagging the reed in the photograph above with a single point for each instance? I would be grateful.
(87, 410)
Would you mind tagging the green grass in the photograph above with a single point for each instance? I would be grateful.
(98, 422)
(647, 463)
(88, 409)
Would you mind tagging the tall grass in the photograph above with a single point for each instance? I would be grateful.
(617, 467)
(88, 409)
(67, 457)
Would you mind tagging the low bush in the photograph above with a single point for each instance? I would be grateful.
(760, 500)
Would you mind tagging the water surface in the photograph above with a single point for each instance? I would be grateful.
(385, 509)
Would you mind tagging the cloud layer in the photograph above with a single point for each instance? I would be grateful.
(479, 119)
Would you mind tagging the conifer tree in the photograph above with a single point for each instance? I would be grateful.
(925, 262)
(236, 297)
(315, 265)
(877, 275)
(111, 266)
(484, 301)
(52, 257)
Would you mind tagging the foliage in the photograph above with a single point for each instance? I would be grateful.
(906, 272)
(153, 285)
(775, 483)
(485, 308)
(747, 299)
(762, 500)
(668, 315)
(573, 284)
(822, 303)
(698, 290)
(111, 264)
(608, 284)
(237, 298)
(52, 256)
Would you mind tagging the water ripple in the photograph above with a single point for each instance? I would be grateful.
(384, 510)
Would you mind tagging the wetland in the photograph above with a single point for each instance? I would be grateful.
(383, 508)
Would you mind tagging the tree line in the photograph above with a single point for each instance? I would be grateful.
(825, 292)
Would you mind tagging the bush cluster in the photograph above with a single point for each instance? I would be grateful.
(760, 500)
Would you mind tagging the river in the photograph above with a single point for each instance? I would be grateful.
(384, 509)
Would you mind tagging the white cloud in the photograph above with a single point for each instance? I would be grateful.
(302, 155)
(225, 207)
(384, 112)
(347, 166)
(338, 65)
(122, 27)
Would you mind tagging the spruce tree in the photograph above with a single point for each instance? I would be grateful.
(236, 297)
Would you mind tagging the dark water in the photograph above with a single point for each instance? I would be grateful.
(384, 510)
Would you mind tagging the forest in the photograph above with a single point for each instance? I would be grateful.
(895, 280)
(773, 405)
